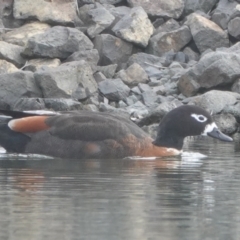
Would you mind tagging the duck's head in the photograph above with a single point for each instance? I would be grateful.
(186, 120)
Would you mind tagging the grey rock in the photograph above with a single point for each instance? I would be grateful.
(226, 123)
(164, 42)
(137, 110)
(202, 5)
(168, 26)
(27, 104)
(99, 77)
(224, 12)
(236, 86)
(156, 115)
(90, 56)
(12, 53)
(80, 94)
(233, 27)
(62, 104)
(112, 50)
(145, 60)
(160, 8)
(151, 130)
(133, 75)
(233, 109)
(36, 64)
(206, 34)
(62, 81)
(103, 107)
(136, 91)
(158, 22)
(101, 18)
(144, 87)
(153, 72)
(90, 107)
(114, 89)
(181, 57)
(135, 27)
(108, 71)
(131, 100)
(20, 36)
(215, 101)
(7, 67)
(119, 12)
(14, 86)
(214, 69)
(149, 98)
(110, 1)
(192, 55)
(57, 42)
(61, 12)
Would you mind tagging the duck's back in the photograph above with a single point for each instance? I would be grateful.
(88, 135)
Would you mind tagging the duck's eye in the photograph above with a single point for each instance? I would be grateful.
(199, 118)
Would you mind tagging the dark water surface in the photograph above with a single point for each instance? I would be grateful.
(177, 198)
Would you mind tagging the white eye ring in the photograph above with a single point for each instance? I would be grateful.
(199, 118)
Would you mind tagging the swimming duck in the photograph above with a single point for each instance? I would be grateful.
(102, 135)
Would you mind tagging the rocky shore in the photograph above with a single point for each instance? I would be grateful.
(133, 57)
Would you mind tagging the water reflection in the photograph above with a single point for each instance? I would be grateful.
(172, 198)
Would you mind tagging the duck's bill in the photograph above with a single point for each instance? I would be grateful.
(216, 133)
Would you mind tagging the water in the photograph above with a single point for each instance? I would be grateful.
(187, 198)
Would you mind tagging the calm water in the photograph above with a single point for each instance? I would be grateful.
(177, 198)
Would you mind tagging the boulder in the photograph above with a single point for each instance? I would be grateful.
(149, 98)
(90, 56)
(233, 110)
(12, 53)
(214, 69)
(57, 42)
(58, 12)
(133, 75)
(112, 49)
(226, 123)
(162, 43)
(7, 67)
(63, 81)
(215, 101)
(101, 19)
(236, 86)
(233, 27)
(134, 27)
(168, 26)
(17, 85)
(114, 89)
(21, 35)
(108, 71)
(36, 64)
(206, 34)
(160, 8)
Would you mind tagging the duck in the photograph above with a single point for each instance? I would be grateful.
(98, 135)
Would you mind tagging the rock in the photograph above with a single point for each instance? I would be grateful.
(160, 8)
(199, 5)
(108, 71)
(233, 110)
(133, 75)
(63, 81)
(7, 67)
(226, 123)
(214, 69)
(233, 27)
(215, 101)
(181, 57)
(20, 36)
(144, 87)
(27, 104)
(206, 34)
(137, 110)
(145, 60)
(168, 26)
(131, 100)
(36, 64)
(151, 130)
(236, 86)
(17, 85)
(101, 18)
(61, 12)
(110, 1)
(112, 50)
(11, 53)
(119, 12)
(192, 55)
(99, 77)
(156, 115)
(223, 13)
(134, 27)
(163, 42)
(62, 104)
(90, 56)
(153, 72)
(57, 42)
(149, 98)
(114, 89)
